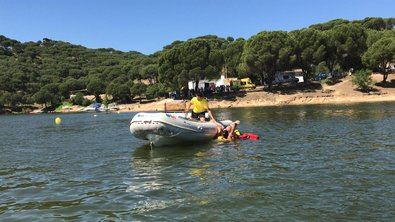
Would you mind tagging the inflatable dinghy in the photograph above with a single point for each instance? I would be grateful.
(162, 129)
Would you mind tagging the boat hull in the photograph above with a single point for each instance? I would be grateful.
(162, 129)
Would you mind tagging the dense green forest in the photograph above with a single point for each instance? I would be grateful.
(48, 71)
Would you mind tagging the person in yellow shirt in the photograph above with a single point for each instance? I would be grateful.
(200, 108)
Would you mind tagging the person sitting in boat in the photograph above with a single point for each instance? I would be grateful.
(200, 108)
(229, 133)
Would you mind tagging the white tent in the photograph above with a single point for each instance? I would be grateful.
(220, 82)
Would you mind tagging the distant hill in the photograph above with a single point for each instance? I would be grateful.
(57, 68)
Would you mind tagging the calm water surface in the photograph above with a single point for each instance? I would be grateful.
(313, 162)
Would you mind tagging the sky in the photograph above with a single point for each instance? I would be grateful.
(148, 25)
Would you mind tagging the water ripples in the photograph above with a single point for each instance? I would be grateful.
(328, 162)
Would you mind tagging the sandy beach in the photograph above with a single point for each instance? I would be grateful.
(340, 93)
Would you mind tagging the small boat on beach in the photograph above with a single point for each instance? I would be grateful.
(95, 107)
(37, 111)
(162, 128)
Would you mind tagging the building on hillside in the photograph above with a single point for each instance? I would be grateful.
(223, 81)
(203, 85)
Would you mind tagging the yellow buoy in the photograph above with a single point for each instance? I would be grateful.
(58, 120)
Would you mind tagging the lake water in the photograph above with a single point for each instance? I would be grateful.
(312, 162)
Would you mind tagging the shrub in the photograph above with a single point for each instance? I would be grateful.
(363, 80)
(156, 90)
(86, 102)
(96, 87)
(138, 89)
(119, 92)
(78, 99)
(330, 81)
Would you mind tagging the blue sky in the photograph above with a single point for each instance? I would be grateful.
(147, 26)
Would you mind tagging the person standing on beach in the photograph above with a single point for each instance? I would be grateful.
(200, 108)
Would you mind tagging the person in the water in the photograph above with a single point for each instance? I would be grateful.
(228, 132)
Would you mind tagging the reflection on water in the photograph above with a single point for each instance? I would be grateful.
(329, 162)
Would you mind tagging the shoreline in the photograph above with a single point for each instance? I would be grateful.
(302, 101)
(342, 93)
(277, 101)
